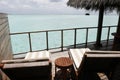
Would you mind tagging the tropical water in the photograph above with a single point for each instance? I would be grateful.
(26, 23)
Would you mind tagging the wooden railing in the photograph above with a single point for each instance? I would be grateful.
(62, 36)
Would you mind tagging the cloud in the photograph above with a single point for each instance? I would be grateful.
(40, 1)
(36, 7)
(55, 0)
(3, 2)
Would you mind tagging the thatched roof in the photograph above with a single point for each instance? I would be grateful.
(96, 4)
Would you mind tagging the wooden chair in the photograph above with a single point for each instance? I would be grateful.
(87, 65)
(29, 68)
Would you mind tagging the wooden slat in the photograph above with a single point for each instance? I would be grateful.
(5, 44)
(3, 15)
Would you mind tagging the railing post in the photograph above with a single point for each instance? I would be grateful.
(86, 37)
(75, 38)
(47, 40)
(30, 43)
(108, 36)
(61, 40)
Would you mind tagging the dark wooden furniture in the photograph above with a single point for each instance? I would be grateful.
(35, 70)
(64, 64)
(93, 62)
(35, 66)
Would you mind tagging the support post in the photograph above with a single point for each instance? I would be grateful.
(99, 30)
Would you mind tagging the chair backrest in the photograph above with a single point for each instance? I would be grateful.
(89, 61)
(40, 70)
(99, 61)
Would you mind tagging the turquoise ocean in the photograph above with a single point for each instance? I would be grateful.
(26, 23)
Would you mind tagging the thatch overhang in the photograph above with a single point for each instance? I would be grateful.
(101, 6)
(108, 5)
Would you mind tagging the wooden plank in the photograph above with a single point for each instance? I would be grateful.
(3, 15)
(5, 44)
(3, 26)
(3, 21)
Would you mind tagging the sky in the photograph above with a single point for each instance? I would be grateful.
(39, 7)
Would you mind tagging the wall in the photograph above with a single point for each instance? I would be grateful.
(5, 42)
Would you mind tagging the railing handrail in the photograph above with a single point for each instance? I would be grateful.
(55, 30)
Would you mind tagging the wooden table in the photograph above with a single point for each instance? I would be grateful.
(64, 64)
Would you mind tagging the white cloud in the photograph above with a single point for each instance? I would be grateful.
(12, 6)
(3, 2)
(26, 7)
(40, 1)
(55, 0)
(36, 6)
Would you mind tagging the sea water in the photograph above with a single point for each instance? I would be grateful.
(26, 23)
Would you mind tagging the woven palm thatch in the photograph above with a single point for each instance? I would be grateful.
(101, 6)
(96, 4)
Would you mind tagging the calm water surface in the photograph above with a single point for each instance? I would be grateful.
(24, 23)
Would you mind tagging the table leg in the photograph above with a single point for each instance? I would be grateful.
(64, 74)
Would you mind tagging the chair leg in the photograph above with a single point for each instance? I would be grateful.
(73, 74)
(91, 76)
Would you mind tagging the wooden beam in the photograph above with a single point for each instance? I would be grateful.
(99, 30)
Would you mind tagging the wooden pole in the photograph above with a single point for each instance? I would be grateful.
(99, 30)
(118, 26)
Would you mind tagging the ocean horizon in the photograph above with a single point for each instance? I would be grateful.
(26, 23)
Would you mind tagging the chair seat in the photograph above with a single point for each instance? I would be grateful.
(38, 55)
(77, 55)
(31, 57)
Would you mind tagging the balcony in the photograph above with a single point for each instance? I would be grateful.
(62, 50)
(75, 36)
